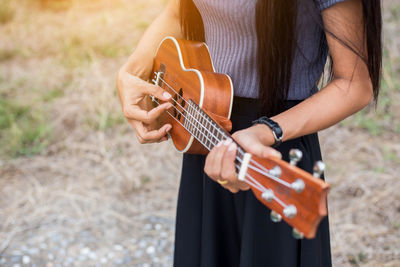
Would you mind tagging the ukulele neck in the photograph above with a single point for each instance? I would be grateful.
(200, 125)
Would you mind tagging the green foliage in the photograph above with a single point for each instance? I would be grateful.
(8, 54)
(362, 257)
(7, 12)
(142, 25)
(78, 50)
(370, 124)
(378, 170)
(23, 130)
(110, 50)
(76, 53)
(385, 116)
(55, 5)
(105, 120)
(390, 155)
(52, 94)
(352, 259)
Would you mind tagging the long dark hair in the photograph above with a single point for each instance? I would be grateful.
(276, 36)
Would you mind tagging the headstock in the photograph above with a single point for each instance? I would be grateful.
(291, 193)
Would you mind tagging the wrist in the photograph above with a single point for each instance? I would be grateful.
(274, 128)
(265, 134)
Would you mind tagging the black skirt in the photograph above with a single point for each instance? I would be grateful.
(215, 228)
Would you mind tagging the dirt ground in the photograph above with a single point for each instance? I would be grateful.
(77, 189)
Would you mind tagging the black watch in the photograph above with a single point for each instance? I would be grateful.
(275, 128)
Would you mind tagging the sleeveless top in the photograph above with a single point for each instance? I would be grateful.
(230, 33)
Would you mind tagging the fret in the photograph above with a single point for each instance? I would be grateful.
(210, 138)
(202, 127)
(203, 131)
(189, 118)
(194, 123)
(187, 123)
(214, 138)
(219, 135)
(215, 132)
(196, 116)
(192, 128)
(200, 123)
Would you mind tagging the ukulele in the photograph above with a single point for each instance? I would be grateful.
(202, 104)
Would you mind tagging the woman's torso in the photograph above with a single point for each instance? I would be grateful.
(230, 32)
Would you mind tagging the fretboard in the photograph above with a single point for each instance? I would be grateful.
(205, 129)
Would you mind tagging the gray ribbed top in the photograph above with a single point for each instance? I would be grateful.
(231, 36)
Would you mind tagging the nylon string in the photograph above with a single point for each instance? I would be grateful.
(261, 169)
(241, 152)
(252, 181)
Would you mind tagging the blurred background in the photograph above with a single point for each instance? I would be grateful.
(76, 188)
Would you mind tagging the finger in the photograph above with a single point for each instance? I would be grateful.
(233, 189)
(208, 164)
(209, 167)
(135, 124)
(134, 112)
(165, 138)
(146, 88)
(140, 139)
(218, 158)
(154, 135)
(157, 92)
(269, 151)
(228, 171)
(258, 149)
(242, 186)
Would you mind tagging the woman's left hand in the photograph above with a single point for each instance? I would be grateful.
(220, 164)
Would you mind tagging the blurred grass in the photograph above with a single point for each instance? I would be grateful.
(77, 35)
(53, 62)
(386, 116)
(6, 11)
(57, 97)
(24, 130)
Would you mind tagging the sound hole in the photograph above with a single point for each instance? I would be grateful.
(179, 104)
(175, 109)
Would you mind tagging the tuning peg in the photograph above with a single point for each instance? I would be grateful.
(319, 169)
(295, 156)
(290, 211)
(297, 234)
(268, 195)
(275, 217)
(275, 171)
(298, 185)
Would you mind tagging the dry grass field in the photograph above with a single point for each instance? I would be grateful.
(76, 188)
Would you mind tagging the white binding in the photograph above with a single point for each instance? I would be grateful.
(189, 144)
(231, 104)
(230, 81)
(243, 167)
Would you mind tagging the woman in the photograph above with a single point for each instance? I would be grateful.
(275, 52)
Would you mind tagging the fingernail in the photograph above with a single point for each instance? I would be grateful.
(227, 141)
(220, 143)
(169, 127)
(232, 147)
(277, 154)
(166, 95)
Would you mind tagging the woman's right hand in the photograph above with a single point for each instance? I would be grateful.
(133, 93)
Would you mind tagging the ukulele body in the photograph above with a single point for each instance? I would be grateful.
(202, 104)
(186, 66)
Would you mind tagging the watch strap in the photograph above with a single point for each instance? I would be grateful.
(275, 128)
